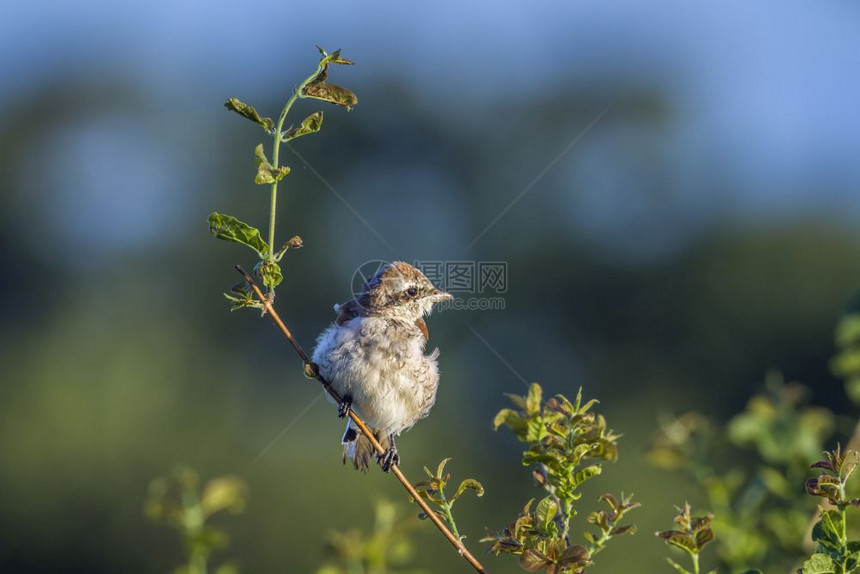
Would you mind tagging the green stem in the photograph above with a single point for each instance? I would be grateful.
(276, 146)
(449, 517)
(566, 508)
(695, 563)
(600, 543)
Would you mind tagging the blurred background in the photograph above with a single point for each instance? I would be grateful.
(673, 187)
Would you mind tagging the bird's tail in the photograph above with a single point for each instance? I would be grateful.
(358, 448)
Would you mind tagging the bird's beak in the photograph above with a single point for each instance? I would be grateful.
(437, 296)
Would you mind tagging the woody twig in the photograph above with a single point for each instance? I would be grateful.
(312, 372)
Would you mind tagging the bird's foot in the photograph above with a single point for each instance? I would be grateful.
(345, 406)
(389, 457)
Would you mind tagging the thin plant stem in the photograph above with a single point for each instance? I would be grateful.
(566, 509)
(311, 371)
(276, 148)
(449, 517)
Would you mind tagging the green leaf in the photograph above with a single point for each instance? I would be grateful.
(819, 564)
(242, 302)
(545, 512)
(469, 483)
(682, 540)
(441, 468)
(827, 532)
(310, 124)
(269, 272)
(229, 228)
(266, 172)
(334, 58)
(249, 112)
(851, 561)
(586, 473)
(849, 464)
(533, 399)
(510, 418)
(576, 555)
(533, 560)
(330, 93)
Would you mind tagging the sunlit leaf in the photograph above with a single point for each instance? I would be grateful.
(310, 124)
(250, 113)
(533, 560)
(441, 468)
(330, 93)
(229, 228)
(469, 483)
(586, 473)
(682, 540)
(533, 399)
(819, 564)
(576, 555)
(545, 512)
(269, 272)
(510, 418)
(266, 172)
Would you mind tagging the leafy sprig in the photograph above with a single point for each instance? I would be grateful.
(433, 491)
(270, 172)
(691, 536)
(567, 442)
(834, 552)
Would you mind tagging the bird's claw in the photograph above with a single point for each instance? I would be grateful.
(345, 406)
(389, 458)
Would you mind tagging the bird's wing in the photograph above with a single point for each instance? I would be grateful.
(346, 312)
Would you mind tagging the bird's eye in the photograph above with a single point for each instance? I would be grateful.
(412, 291)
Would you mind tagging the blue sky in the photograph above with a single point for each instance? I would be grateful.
(768, 91)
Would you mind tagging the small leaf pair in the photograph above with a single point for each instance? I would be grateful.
(693, 535)
(433, 491)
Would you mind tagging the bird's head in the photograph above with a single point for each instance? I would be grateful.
(399, 290)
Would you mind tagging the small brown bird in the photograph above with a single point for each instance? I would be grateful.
(373, 356)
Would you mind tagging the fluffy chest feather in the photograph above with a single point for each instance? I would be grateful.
(381, 363)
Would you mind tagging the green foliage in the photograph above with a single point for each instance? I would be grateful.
(249, 112)
(310, 125)
(266, 172)
(318, 88)
(566, 442)
(387, 549)
(749, 472)
(834, 552)
(846, 363)
(692, 535)
(177, 500)
(269, 172)
(433, 491)
(229, 228)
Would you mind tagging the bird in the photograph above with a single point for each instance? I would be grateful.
(373, 355)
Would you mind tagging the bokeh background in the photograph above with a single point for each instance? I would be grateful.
(664, 257)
